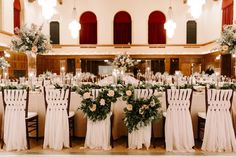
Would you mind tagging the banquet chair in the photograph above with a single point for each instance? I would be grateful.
(59, 121)
(105, 139)
(18, 122)
(144, 134)
(177, 126)
(217, 121)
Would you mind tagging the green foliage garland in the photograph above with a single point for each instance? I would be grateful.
(141, 112)
(98, 108)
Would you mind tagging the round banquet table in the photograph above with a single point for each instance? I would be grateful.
(36, 104)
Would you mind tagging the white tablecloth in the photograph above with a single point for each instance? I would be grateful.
(36, 104)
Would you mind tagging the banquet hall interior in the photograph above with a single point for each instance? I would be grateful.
(118, 77)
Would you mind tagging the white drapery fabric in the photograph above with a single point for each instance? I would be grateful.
(56, 134)
(178, 127)
(219, 132)
(137, 138)
(98, 134)
(14, 119)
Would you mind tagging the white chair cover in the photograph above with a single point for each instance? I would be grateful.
(178, 126)
(46, 82)
(14, 120)
(137, 138)
(98, 134)
(56, 122)
(219, 133)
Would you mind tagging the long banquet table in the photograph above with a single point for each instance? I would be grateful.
(36, 104)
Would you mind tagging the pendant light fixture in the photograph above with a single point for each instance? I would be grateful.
(195, 7)
(48, 8)
(170, 25)
(74, 25)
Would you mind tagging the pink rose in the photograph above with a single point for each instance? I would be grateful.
(34, 49)
(129, 107)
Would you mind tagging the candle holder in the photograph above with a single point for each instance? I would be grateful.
(5, 73)
(115, 76)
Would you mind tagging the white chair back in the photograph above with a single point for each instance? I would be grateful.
(46, 82)
(143, 93)
(219, 132)
(95, 93)
(57, 99)
(179, 99)
(16, 106)
(219, 100)
(57, 103)
(178, 126)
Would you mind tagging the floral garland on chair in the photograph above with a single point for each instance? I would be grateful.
(30, 39)
(97, 109)
(139, 113)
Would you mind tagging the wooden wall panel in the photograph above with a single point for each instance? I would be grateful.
(18, 61)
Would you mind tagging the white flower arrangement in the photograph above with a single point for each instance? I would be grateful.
(4, 63)
(228, 39)
(30, 39)
(123, 61)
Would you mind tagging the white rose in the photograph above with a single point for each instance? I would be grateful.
(128, 93)
(86, 95)
(129, 107)
(102, 102)
(152, 104)
(110, 93)
(34, 49)
(93, 108)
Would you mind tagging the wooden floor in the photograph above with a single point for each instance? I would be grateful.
(118, 150)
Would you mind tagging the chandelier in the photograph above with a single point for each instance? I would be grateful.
(170, 25)
(74, 25)
(196, 7)
(48, 8)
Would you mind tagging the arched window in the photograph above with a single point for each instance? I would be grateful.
(17, 9)
(122, 28)
(88, 32)
(55, 32)
(227, 12)
(156, 31)
(191, 32)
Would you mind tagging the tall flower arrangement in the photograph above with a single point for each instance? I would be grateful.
(123, 61)
(227, 40)
(30, 39)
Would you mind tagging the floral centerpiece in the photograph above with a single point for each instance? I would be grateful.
(97, 108)
(4, 63)
(30, 39)
(228, 39)
(32, 42)
(123, 62)
(140, 112)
